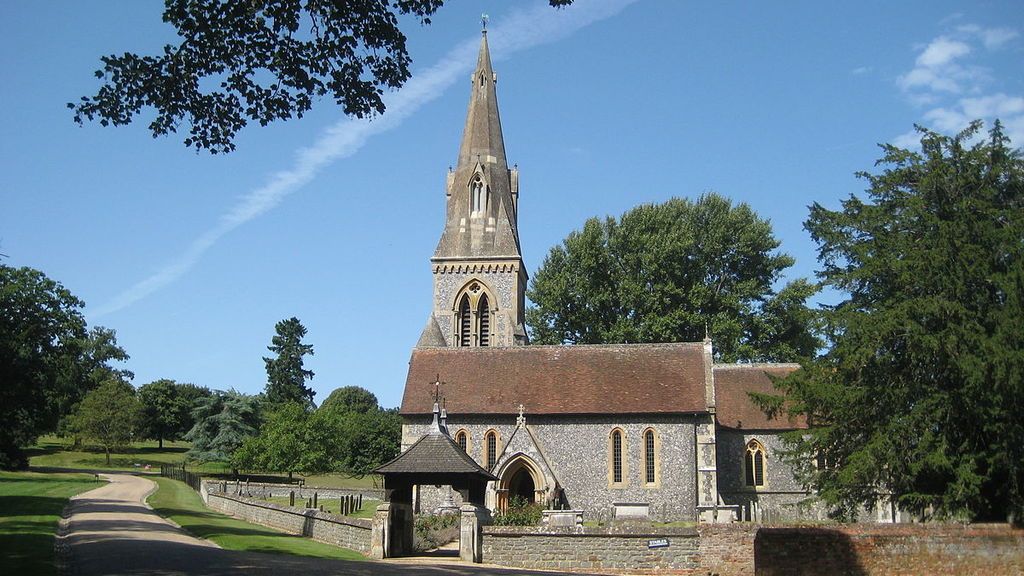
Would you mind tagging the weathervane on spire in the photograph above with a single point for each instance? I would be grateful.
(483, 22)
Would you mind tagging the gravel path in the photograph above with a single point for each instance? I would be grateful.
(110, 531)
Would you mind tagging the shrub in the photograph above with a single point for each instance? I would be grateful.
(519, 513)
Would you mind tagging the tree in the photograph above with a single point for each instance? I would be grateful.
(41, 333)
(369, 439)
(258, 61)
(350, 399)
(918, 396)
(222, 423)
(167, 408)
(85, 371)
(323, 442)
(279, 445)
(286, 378)
(674, 272)
(109, 415)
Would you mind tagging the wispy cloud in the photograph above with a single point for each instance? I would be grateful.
(949, 80)
(521, 30)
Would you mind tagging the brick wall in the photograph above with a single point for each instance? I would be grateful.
(899, 549)
(615, 550)
(727, 549)
(353, 533)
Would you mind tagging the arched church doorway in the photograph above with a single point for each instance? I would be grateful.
(521, 485)
(520, 476)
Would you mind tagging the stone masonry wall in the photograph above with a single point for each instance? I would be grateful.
(353, 533)
(745, 549)
(577, 450)
(879, 549)
(615, 551)
(782, 498)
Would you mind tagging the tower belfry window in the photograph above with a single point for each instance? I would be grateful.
(484, 318)
(465, 322)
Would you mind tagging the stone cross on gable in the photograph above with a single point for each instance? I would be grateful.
(521, 421)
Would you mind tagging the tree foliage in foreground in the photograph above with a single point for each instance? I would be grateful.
(286, 376)
(920, 393)
(260, 61)
(110, 415)
(674, 272)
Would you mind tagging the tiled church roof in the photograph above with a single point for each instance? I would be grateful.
(433, 453)
(735, 409)
(598, 379)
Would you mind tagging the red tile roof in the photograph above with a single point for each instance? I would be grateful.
(598, 379)
(734, 407)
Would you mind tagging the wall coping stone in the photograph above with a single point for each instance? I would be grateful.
(614, 531)
(364, 523)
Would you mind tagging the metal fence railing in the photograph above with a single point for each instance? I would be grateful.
(176, 472)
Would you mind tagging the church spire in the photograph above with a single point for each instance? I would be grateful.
(481, 138)
(479, 278)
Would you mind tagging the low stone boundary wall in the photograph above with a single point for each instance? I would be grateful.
(619, 549)
(353, 533)
(890, 549)
(262, 490)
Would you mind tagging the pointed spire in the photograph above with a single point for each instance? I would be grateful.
(481, 138)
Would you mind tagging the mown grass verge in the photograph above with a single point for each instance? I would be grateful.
(178, 502)
(30, 507)
(53, 452)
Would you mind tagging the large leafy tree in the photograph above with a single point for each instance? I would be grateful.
(369, 439)
(675, 272)
(259, 60)
(167, 408)
(286, 376)
(41, 335)
(919, 394)
(279, 445)
(350, 399)
(222, 423)
(109, 415)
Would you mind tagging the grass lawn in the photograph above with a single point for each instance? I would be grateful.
(332, 505)
(30, 507)
(181, 504)
(50, 451)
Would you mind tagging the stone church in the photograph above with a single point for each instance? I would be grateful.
(655, 430)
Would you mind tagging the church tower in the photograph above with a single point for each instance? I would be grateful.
(479, 279)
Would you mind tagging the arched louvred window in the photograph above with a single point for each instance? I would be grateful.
(465, 322)
(754, 464)
(483, 312)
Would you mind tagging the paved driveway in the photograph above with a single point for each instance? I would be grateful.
(111, 531)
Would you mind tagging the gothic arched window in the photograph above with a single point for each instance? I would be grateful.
(491, 444)
(462, 439)
(617, 465)
(754, 464)
(483, 314)
(651, 464)
(478, 196)
(465, 322)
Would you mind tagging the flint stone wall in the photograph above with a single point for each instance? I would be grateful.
(352, 533)
(576, 447)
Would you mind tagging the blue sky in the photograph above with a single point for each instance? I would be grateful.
(192, 258)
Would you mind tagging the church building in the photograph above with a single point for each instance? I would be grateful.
(643, 430)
